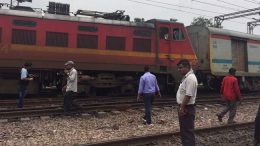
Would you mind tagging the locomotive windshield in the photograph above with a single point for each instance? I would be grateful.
(164, 33)
(177, 34)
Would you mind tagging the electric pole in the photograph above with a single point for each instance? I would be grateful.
(219, 19)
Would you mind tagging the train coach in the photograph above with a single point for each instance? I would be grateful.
(112, 52)
(219, 49)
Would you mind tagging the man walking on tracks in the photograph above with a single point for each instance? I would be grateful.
(70, 88)
(23, 83)
(231, 94)
(148, 87)
(186, 96)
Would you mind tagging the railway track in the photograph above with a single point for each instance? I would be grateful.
(54, 106)
(56, 110)
(35, 102)
(158, 139)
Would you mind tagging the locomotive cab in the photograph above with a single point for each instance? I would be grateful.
(173, 44)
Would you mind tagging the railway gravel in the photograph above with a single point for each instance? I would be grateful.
(82, 130)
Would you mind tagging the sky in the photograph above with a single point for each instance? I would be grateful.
(182, 10)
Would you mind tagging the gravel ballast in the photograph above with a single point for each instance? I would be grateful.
(82, 130)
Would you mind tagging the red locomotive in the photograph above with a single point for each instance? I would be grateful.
(113, 52)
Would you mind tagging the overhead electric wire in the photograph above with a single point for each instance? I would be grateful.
(214, 5)
(182, 6)
(250, 1)
(177, 10)
(236, 6)
(192, 8)
(195, 8)
(218, 6)
(232, 4)
(255, 1)
(228, 8)
(167, 8)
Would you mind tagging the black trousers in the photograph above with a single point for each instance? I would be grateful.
(69, 102)
(187, 125)
(257, 128)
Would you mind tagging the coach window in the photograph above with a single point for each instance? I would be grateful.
(87, 41)
(26, 37)
(142, 45)
(164, 33)
(88, 28)
(142, 33)
(57, 39)
(177, 34)
(115, 43)
(25, 23)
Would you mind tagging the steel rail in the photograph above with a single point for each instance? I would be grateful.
(146, 139)
(85, 108)
(59, 101)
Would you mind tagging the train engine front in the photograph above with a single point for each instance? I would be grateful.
(109, 54)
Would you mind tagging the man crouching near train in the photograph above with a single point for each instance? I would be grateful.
(70, 88)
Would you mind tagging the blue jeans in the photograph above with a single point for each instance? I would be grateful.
(22, 94)
(148, 98)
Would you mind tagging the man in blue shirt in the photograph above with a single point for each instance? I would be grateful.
(23, 83)
(148, 87)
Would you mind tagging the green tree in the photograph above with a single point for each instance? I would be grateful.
(139, 20)
(201, 21)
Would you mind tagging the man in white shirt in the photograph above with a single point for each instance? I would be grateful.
(23, 83)
(70, 88)
(186, 96)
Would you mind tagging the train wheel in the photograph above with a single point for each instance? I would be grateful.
(212, 83)
(128, 89)
(93, 92)
(114, 92)
(200, 76)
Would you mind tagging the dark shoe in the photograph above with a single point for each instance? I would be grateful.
(148, 124)
(256, 142)
(232, 122)
(219, 118)
(68, 114)
(78, 114)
